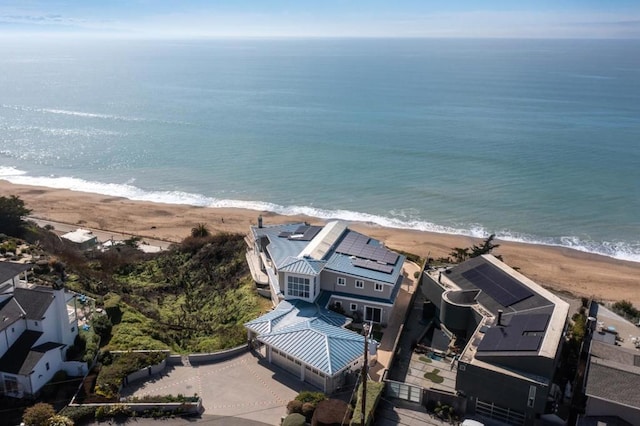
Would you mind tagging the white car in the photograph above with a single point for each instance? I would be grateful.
(469, 422)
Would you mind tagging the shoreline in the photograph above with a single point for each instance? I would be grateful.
(558, 268)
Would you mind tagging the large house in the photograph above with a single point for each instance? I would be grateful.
(513, 331)
(329, 265)
(37, 326)
(308, 270)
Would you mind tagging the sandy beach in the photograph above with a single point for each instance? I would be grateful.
(560, 269)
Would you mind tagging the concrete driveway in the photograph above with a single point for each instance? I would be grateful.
(245, 387)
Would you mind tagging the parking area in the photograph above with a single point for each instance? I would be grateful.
(245, 387)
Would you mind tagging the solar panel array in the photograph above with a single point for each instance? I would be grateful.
(500, 286)
(354, 244)
(523, 333)
(374, 266)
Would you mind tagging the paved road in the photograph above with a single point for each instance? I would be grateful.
(245, 389)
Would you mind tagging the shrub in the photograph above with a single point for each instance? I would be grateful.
(312, 397)
(38, 414)
(307, 410)
(294, 407)
(78, 414)
(59, 420)
(102, 325)
(294, 419)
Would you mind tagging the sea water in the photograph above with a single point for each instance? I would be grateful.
(533, 140)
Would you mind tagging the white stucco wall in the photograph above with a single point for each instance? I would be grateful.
(41, 376)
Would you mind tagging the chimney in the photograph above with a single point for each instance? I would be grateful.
(499, 323)
(260, 221)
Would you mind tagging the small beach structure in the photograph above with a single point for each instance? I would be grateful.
(84, 239)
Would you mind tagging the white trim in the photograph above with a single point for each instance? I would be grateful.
(344, 281)
(375, 286)
(353, 307)
(361, 282)
(355, 298)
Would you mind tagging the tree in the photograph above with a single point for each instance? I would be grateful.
(12, 210)
(38, 414)
(461, 254)
(200, 230)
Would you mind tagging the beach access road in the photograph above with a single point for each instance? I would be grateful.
(243, 391)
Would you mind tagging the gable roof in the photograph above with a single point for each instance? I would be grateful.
(302, 266)
(34, 301)
(10, 312)
(9, 270)
(19, 359)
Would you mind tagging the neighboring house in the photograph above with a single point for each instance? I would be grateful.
(10, 273)
(82, 238)
(309, 269)
(612, 385)
(309, 342)
(330, 265)
(513, 331)
(38, 325)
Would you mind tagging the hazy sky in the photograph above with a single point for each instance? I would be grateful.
(324, 18)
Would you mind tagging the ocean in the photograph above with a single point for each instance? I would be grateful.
(532, 140)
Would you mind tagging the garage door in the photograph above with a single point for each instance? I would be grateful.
(286, 362)
(313, 376)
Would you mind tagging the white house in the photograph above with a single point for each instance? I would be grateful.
(37, 326)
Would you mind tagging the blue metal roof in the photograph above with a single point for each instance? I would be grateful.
(310, 334)
(280, 248)
(291, 312)
(302, 266)
(342, 263)
(320, 345)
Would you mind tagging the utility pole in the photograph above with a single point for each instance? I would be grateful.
(365, 367)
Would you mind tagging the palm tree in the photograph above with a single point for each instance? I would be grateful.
(200, 230)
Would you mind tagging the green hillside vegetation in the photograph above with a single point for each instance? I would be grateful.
(194, 297)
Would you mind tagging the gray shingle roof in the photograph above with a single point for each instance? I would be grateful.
(10, 312)
(35, 302)
(9, 270)
(20, 359)
(614, 382)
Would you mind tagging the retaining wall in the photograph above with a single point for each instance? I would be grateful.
(217, 356)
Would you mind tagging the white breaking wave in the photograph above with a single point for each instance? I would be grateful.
(87, 114)
(617, 250)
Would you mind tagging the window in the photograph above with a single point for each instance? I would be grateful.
(13, 330)
(353, 307)
(338, 304)
(342, 281)
(73, 329)
(47, 365)
(36, 322)
(11, 385)
(298, 287)
(373, 314)
(379, 287)
(532, 396)
(359, 284)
